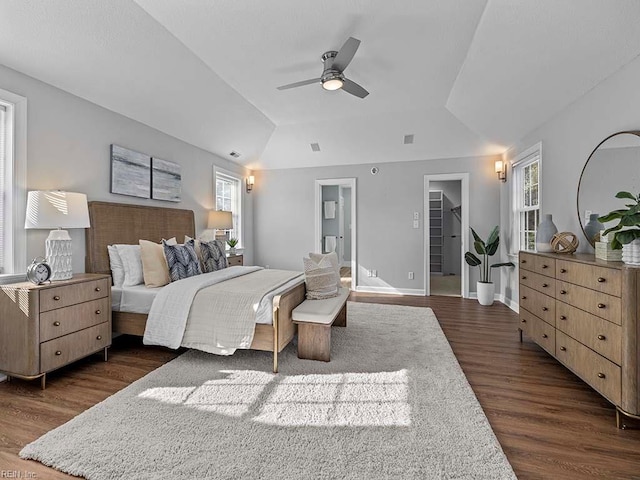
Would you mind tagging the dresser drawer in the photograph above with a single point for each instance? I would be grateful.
(62, 321)
(63, 296)
(600, 335)
(63, 350)
(537, 263)
(538, 282)
(602, 374)
(601, 279)
(600, 304)
(539, 304)
(539, 331)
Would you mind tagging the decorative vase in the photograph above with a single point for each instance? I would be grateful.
(631, 252)
(592, 228)
(232, 251)
(486, 292)
(544, 233)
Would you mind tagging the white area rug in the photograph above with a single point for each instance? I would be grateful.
(392, 403)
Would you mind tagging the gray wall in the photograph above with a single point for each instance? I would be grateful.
(68, 141)
(451, 197)
(386, 240)
(567, 141)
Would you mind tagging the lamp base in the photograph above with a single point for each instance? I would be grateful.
(58, 252)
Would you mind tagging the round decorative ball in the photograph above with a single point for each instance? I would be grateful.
(564, 242)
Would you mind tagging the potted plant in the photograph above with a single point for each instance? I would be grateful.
(626, 234)
(485, 287)
(232, 242)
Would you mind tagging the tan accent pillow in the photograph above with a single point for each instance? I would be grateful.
(154, 265)
(335, 263)
(320, 279)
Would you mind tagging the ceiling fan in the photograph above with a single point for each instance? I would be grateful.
(332, 77)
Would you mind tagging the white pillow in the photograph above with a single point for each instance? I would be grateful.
(132, 263)
(335, 263)
(117, 269)
(320, 279)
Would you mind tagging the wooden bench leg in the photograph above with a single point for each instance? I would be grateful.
(314, 341)
(341, 319)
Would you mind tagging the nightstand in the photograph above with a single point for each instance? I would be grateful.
(235, 260)
(45, 327)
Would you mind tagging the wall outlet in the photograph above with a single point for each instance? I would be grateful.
(416, 215)
(416, 224)
(587, 215)
(410, 275)
(368, 273)
(374, 273)
(266, 266)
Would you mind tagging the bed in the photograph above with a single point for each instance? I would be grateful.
(116, 223)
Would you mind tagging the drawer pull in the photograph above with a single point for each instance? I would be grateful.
(524, 297)
(601, 375)
(563, 317)
(58, 352)
(601, 305)
(98, 312)
(523, 321)
(524, 277)
(601, 337)
(544, 285)
(56, 324)
(601, 280)
(544, 335)
(97, 289)
(99, 337)
(545, 266)
(56, 298)
(563, 292)
(523, 261)
(544, 309)
(564, 349)
(563, 270)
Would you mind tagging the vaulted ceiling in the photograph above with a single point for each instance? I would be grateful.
(465, 77)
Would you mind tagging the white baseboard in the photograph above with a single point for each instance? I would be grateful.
(391, 290)
(498, 297)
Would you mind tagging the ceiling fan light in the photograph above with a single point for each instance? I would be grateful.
(333, 84)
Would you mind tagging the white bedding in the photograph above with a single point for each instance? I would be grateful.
(214, 312)
(139, 298)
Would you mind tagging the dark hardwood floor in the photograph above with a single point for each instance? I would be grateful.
(550, 424)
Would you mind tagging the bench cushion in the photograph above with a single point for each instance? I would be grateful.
(320, 311)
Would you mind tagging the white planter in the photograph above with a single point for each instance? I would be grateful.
(485, 293)
(631, 252)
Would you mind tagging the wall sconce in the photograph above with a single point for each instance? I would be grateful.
(250, 182)
(501, 170)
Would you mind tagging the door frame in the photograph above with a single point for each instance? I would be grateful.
(340, 182)
(464, 228)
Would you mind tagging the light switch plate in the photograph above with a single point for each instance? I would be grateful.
(416, 215)
(416, 224)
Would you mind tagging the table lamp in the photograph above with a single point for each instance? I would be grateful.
(57, 210)
(222, 221)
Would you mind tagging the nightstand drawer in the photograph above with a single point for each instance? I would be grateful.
(236, 260)
(59, 322)
(65, 295)
(64, 350)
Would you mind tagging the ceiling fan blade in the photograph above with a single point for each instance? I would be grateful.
(354, 89)
(299, 84)
(346, 53)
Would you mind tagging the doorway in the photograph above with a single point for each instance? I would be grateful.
(446, 226)
(336, 224)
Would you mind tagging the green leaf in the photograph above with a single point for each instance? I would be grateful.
(615, 214)
(613, 229)
(494, 235)
(627, 236)
(626, 195)
(505, 264)
(476, 237)
(615, 244)
(630, 220)
(480, 247)
(471, 259)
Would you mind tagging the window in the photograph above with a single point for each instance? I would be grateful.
(13, 168)
(229, 198)
(526, 197)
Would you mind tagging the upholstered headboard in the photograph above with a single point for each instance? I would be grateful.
(122, 223)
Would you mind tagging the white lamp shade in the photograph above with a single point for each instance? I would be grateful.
(220, 220)
(56, 209)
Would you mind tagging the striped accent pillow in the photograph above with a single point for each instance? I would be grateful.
(320, 279)
(181, 260)
(213, 256)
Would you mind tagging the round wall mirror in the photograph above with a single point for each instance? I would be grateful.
(613, 166)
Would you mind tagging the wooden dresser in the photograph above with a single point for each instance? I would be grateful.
(44, 327)
(584, 312)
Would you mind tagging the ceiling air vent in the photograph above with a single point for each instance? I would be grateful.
(315, 147)
(235, 154)
(408, 139)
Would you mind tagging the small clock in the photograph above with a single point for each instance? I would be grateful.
(39, 271)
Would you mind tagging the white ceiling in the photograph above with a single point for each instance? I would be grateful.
(466, 77)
